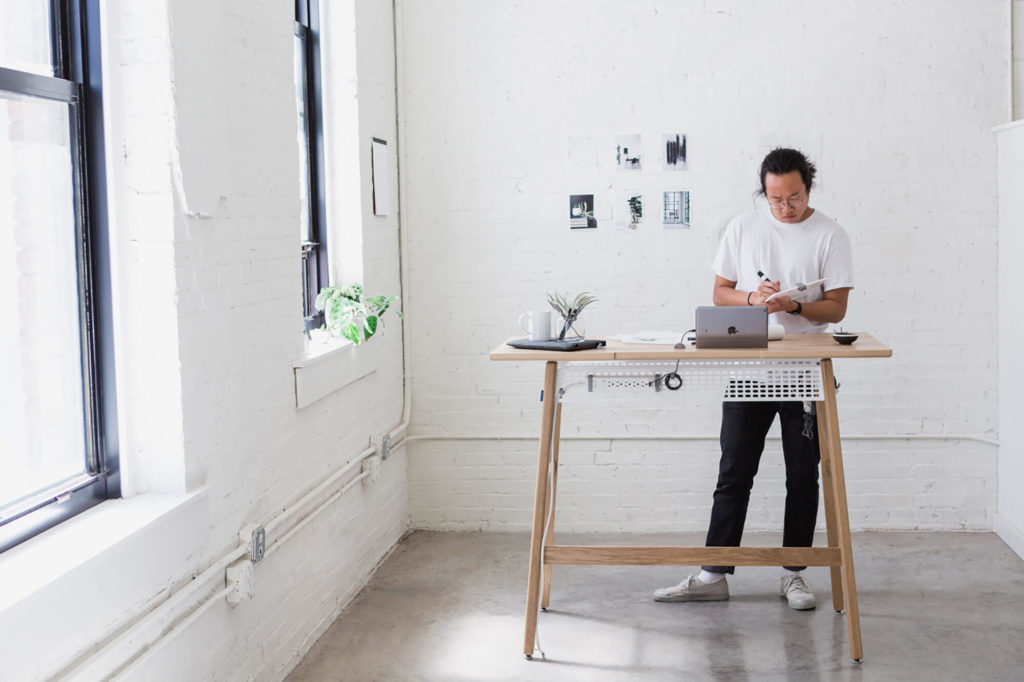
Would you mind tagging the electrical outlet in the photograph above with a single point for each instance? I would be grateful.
(385, 446)
(372, 465)
(258, 545)
(239, 578)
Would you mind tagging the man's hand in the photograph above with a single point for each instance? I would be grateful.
(776, 305)
(782, 304)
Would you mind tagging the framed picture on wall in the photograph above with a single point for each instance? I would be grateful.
(628, 152)
(673, 152)
(380, 176)
(581, 211)
(628, 210)
(675, 209)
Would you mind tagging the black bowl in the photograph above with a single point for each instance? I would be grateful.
(845, 338)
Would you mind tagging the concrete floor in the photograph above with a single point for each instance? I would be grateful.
(449, 606)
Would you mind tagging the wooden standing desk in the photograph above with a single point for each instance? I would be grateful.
(817, 350)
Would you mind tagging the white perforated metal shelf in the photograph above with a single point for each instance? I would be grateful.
(740, 380)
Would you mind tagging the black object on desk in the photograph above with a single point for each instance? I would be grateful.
(555, 344)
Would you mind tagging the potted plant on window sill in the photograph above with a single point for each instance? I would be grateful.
(347, 314)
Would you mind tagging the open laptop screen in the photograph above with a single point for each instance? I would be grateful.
(732, 327)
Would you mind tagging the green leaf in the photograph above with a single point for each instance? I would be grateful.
(348, 314)
(351, 332)
(353, 292)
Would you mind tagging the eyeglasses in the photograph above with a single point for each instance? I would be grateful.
(792, 203)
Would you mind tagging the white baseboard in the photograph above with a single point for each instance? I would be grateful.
(1010, 534)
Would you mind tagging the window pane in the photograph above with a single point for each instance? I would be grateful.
(42, 431)
(300, 95)
(25, 36)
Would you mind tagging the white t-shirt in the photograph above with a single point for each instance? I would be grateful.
(789, 253)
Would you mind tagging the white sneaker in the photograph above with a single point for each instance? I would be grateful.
(796, 592)
(694, 589)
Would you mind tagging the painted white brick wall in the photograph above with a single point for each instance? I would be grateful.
(894, 105)
(1010, 521)
(205, 164)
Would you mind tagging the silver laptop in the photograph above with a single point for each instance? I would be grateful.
(732, 327)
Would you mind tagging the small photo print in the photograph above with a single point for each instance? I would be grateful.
(674, 152)
(628, 152)
(675, 210)
(629, 211)
(582, 154)
(581, 211)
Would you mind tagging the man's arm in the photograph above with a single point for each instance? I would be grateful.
(831, 309)
(726, 293)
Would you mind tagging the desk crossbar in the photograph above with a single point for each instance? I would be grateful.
(692, 556)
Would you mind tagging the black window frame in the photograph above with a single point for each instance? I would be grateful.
(77, 81)
(314, 250)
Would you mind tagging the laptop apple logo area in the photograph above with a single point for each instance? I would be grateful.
(732, 327)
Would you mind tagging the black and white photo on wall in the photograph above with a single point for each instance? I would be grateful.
(628, 152)
(675, 210)
(581, 211)
(674, 152)
(628, 210)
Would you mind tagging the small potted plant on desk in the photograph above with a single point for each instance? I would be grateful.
(348, 314)
(569, 310)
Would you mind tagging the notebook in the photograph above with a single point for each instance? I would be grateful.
(555, 344)
(732, 327)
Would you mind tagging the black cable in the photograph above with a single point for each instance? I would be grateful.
(672, 380)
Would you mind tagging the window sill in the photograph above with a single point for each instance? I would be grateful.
(64, 549)
(329, 365)
(321, 343)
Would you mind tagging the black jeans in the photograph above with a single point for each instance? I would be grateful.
(744, 427)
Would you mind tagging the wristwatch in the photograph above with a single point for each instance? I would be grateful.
(799, 309)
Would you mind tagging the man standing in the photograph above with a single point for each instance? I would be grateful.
(787, 241)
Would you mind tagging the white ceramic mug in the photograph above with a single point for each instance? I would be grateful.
(537, 323)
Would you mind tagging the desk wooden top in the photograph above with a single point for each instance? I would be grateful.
(792, 346)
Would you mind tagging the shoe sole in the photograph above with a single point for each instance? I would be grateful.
(808, 607)
(687, 597)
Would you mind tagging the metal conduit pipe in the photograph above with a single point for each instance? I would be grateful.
(134, 665)
(275, 524)
(150, 628)
(147, 634)
(398, 431)
(313, 513)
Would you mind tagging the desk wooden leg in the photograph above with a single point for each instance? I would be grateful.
(549, 512)
(830, 504)
(539, 501)
(835, 455)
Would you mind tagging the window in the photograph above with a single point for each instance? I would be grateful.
(311, 159)
(58, 448)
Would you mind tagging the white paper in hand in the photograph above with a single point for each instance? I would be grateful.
(798, 289)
